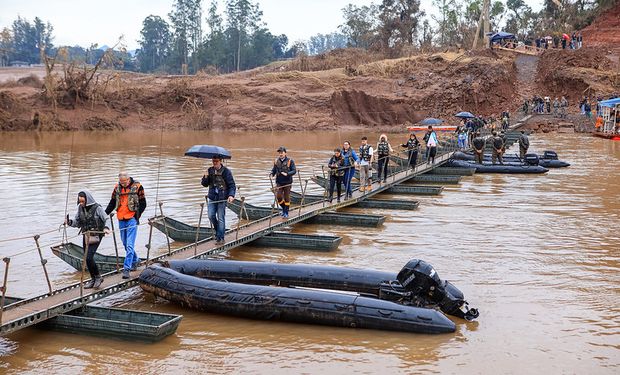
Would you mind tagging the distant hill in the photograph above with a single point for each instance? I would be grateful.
(131, 53)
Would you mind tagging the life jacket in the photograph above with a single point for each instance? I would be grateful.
(283, 165)
(412, 144)
(478, 143)
(348, 157)
(383, 148)
(339, 163)
(88, 220)
(365, 153)
(133, 200)
(498, 143)
(217, 179)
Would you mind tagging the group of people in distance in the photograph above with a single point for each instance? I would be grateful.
(343, 162)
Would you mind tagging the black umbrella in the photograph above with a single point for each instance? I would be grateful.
(431, 121)
(464, 115)
(208, 152)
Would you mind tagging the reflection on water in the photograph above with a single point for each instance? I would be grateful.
(538, 255)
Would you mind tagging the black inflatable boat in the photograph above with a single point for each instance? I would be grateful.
(549, 159)
(507, 167)
(405, 302)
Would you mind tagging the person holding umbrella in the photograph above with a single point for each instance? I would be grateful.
(222, 189)
(431, 144)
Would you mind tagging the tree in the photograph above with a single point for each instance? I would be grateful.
(279, 46)
(398, 22)
(322, 43)
(213, 51)
(243, 19)
(518, 22)
(448, 21)
(154, 43)
(426, 39)
(6, 46)
(298, 48)
(186, 18)
(360, 25)
(29, 38)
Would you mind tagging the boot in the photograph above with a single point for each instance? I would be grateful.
(89, 284)
(98, 281)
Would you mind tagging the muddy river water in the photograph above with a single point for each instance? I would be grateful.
(538, 255)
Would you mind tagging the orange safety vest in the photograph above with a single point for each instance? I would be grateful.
(599, 122)
(127, 200)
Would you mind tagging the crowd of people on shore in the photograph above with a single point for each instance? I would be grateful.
(542, 105)
(557, 40)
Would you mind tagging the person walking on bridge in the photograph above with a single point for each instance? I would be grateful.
(129, 202)
(524, 145)
(283, 170)
(412, 145)
(336, 174)
(90, 216)
(350, 161)
(222, 188)
(365, 153)
(556, 107)
(383, 157)
(431, 145)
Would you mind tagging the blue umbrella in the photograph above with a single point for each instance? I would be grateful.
(464, 115)
(431, 121)
(208, 152)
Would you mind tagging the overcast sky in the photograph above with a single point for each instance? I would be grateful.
(84, 22)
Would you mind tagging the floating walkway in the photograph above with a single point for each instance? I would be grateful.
(31, 311)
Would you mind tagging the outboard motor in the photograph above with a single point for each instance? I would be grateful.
(420, 279)
(552, 155)
(531, 159)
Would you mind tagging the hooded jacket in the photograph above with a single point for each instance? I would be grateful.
(91, 216)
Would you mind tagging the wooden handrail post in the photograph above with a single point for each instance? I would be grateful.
(239, 221)
(6, 261)
(114, 237)
(86, 246)
(303, 197)
(202, 208)
(161, 211)
(148, 245)
(43, 262)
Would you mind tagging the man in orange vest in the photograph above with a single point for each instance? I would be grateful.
(129, 202)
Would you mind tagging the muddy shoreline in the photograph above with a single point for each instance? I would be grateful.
(332, 93)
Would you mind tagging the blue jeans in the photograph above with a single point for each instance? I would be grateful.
(129, 229)
(216, 212)
(348, 176)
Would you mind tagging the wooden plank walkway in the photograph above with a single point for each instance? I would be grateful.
(37, 309)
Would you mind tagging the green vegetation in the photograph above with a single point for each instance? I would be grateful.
(236, 38)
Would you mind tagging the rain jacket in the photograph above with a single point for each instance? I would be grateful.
(90, 217)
